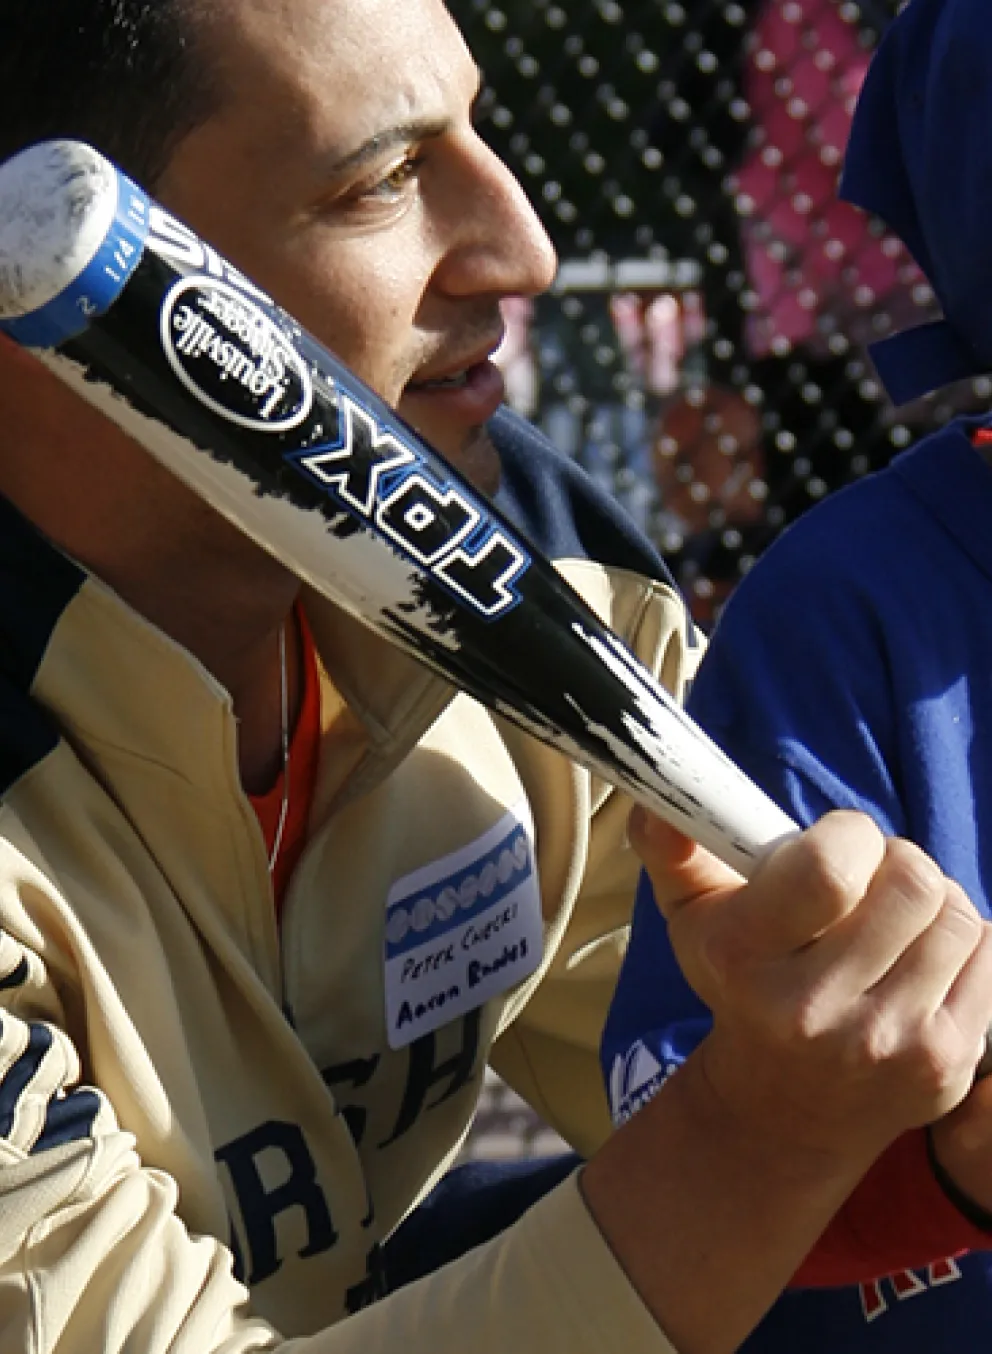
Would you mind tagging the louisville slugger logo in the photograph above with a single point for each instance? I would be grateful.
(388, 485)
(227, 351)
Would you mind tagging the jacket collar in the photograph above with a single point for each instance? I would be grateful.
(116, 685)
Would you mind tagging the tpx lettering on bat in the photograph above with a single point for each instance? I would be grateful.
(388, 486)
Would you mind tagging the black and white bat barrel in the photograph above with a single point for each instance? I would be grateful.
(147, 322)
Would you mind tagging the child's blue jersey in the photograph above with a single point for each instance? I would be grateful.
(853, 669)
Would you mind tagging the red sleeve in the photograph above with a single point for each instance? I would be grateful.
(897, 1218)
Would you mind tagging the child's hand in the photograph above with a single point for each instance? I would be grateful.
(850, 981)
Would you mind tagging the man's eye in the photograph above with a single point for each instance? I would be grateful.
(391, 187)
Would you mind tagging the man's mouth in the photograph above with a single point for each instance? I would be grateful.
(468, 396)
(457, 381)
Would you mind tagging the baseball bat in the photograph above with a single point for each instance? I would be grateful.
(164, 336)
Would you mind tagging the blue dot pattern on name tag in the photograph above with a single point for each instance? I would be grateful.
(427, 913)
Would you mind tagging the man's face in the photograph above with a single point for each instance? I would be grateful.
(341, 171)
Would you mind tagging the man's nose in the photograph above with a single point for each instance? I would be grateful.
(496, 245)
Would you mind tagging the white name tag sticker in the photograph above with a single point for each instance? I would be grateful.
(462, 930)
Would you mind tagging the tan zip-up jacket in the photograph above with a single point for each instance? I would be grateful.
(187, 1093)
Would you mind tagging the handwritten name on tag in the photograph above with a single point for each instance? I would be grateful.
(462, 930)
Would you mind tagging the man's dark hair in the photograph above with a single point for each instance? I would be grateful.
(124, 75)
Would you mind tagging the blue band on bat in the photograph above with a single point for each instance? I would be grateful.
(98, 285)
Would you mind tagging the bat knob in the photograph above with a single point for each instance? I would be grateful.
(71, 229)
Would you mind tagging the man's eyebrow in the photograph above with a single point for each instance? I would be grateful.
(392, 138)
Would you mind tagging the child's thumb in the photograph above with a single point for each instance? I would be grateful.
(680, 870)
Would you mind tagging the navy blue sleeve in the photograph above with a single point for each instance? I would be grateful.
(559, 508)
(472, 1204)
(37, 583)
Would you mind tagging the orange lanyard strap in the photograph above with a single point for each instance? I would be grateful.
(302, 765)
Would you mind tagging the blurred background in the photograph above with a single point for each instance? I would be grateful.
(703, 350)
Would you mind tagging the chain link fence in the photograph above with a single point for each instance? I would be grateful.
(703, 350)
